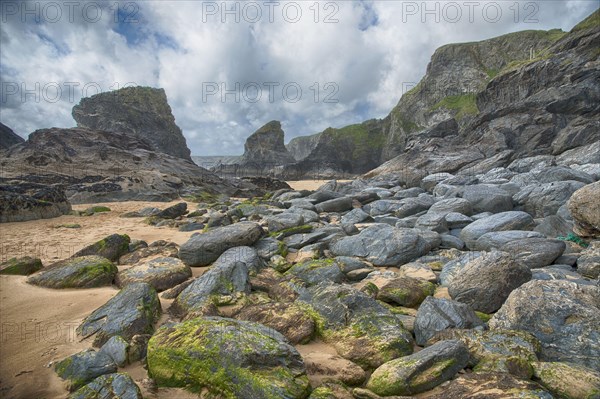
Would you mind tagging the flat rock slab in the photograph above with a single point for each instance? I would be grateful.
(203, 249)
(81, 272)
(160, 273)
(134, 310)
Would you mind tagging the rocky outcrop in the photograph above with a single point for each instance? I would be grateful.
(141, 112)
(266, 147)
(99, 166)
(8, 138)
(301, 147)
(21, 201)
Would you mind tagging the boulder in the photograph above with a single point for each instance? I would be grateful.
(562, 315)
(449, 205)
(291, 320)
(205, 248)
(567, 380)
(356, 216)
(406, 291)
(284, 221)
(227, 278)
(359, 328)
(81, 368)
(117, 349)
(541, 200)
(588, 264)
(80, 272)
(585, 209)
(438, 314)
(452, 268)
(111, 247)
(134, 310)
(487, 198)
(22, 266)
(535, 252)
(497, 239)
(421, 371)
(172, 212)
(383, 245)
(314, 271)
(503, 221)
(341, 204)
(486, 282)
(227, 357)
(160, 273)
(114, 386)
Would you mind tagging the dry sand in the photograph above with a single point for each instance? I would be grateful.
(310, 184)
(38, 324)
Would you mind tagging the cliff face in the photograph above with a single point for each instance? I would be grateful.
(301, 147)
(8, 138)
(545, 105)
(140, 111)
(266, 146)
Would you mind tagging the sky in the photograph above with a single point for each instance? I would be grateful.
(230, 67)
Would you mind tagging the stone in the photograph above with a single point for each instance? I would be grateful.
(497, 239)
(356, 216)
(491, 385)
(111, 247)
(585, 209)
(114, 386)
(117, 349)
(421, 371)
(562, 173)
(554, 226)
(503, 221)
(134, 310)
(205, 248)
(160, 273)
(535, 252)
(438, 314)
(227, 279)
(357, 326)
(487, 198)
(314, 271)
(284, 221)
(341, 204)
(80, 272)
(452, 205)
(165, 249)
(562, 315)
(541, 200)
(457, 220)
(432, 221)
(173, 212)
(406, 291)
(486, 282)
(227, 357)
(453, 267)
(567, 380)
(588, 263)
(382, 245)
(21, 266)
(289, 319)
(81, 368)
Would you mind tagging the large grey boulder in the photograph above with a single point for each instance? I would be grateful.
(535, 252)
(230, 358)
(562, 315)
(81, 368)
(452, 268)
(113, 386)
(585, 210)
(487, 198)
(356, 216)
(448, 205)
(161, 273)
(438, 314)
(341, 204)
(486, 282)
(421, 371)
(134, 310)
(315, 271)
(81, 272)
(503, 221)
(111, 247)
(173, 212)
(203, 249)
(542, 200)
(497, 239)
(227, 277)
(284, 221)
(562, 173)
(383, 245)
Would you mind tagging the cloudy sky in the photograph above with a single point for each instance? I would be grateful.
(230, 67)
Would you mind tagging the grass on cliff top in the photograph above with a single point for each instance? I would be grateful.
(465, 104)
(364, 143)
(593, 21)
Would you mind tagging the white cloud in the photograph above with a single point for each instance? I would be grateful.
(374, 51)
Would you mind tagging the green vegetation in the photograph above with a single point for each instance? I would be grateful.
(464, 104)
(593, 21)
(576, 239)
(358, 139)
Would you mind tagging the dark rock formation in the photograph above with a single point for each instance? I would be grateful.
(8, 138)
(141, 112)
(21, 201)
(266, 147)
(301, 147)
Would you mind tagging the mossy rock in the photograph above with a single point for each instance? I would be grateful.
(228, 358)
(568, 380)
(80, 272)
(95, 209)
(114, 386)
(315, 271)
(111, 247)
(22, 266)
(518, 366)
(406, 291)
